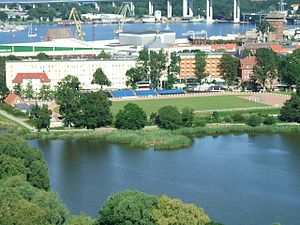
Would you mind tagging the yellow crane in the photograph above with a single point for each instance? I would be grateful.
(75, 17)
(125, 10)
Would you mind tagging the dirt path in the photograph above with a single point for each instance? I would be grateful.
(276, 100)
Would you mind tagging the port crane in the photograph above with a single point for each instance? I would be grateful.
(125, 10)
(75, 17)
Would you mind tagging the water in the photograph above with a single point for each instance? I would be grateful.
(250, 180)
(106, 31)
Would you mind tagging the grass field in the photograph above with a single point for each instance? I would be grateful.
(197, 103)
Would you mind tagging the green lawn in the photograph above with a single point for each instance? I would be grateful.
(197, 103)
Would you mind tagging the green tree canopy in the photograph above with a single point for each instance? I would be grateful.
(45, 93)
(132, 117)
(67, 96)
(41, 116)
(28, 92)
(168, 117)
(80, 220)
(134, 75)
(289, 69)
(290, 112)
(264, 28)
(266, 68)
(100, 78)
(187, 116)
(173, 70)
(103, 55)
(200, 66)
(175, 212)
(94, 111)
(229, 68)
(42, 56)
(128, 207)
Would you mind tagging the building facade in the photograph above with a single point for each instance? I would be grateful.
(246, 68)
(50, 72)
(276, 19)
(188, 65)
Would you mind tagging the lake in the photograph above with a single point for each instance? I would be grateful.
(237, 179)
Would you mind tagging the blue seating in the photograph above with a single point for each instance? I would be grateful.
(171, 92)
(123, 93)
(146, 93)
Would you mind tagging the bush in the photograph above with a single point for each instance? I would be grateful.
(290, 112)
(254, 121)
(132, 117)
(187, 116)
(269, 120)
(11, 110)
(168, 117)
(216, 117)
(228, 119)
(199, 122)
(238, 118)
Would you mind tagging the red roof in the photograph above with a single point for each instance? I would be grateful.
(20, 76)
(12, 99)
(228, 47)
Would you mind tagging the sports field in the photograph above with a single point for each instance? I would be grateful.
(197, 103)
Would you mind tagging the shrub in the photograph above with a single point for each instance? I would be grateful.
(254, 121)
(168, 117)
(228, 119)
(132, 117)
(238, 118)
(11, 110)
(290, 112)
(269, 120)
(216, 117)
(187, 116)
(199, 122)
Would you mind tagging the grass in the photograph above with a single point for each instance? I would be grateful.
(197, 103)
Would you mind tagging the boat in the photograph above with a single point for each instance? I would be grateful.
(197, 19)
(148, 19)
(30, 32)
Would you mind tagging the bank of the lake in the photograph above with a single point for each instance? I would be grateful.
(162, 139)
(237, 179)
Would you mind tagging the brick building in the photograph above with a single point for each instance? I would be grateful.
(276, 19)
(246, 68)
(188, 65)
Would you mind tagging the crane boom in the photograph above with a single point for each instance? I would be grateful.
(125, 10)
(75, 17)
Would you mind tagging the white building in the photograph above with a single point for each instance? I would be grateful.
(52, 71)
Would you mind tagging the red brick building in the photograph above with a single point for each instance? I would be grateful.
(246, 68)
(276, 19)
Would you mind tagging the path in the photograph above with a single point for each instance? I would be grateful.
(17, 120)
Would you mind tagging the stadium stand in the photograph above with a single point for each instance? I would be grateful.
(171, 92)
(123, 93)
(146, 93)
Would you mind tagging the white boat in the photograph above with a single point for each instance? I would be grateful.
(148, 19)
(197, 19)
(30, 32)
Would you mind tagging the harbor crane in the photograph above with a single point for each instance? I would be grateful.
(125, 10)
(75, 17)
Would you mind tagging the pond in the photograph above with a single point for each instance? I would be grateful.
(237, 179)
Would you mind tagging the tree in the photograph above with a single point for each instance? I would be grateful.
(173, 70)
(157, 64)
(128, 207)
(11, 166)
(174, 211)
(68, 97)
(3, 88)
(200, 66)
(290, 112)
(254, 120)
(45, 92)
(168, 117)
(28, 91)
(134, 75)
(228, 69)
(94, 111)
(103, 55)
(41, 116)
(48, 201)
(100, 78)
(289, 69)
(132, 117)
(42, 56)
(187, 116)
(266, 68)
(18, 89)
(3, 16)
(264, 28)
(80, 220)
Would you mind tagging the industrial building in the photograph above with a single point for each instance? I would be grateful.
(50, 72)
(143, 38)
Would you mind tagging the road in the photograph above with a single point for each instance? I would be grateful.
(17, 120)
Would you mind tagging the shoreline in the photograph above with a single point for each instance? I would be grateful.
(160, 139)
